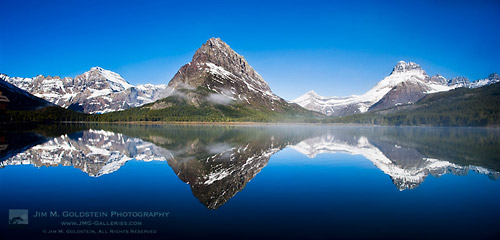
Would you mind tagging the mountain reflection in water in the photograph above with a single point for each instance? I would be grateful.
(218, 161)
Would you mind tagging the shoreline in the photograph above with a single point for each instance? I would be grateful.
(199, 123)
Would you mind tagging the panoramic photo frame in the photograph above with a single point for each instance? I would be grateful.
(249, 120)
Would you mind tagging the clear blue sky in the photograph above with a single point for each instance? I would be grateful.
(337, 48)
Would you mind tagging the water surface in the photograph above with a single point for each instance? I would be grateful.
(247, 182)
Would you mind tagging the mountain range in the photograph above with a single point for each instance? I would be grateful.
(406, 84)
(218, 85)
(216, 75)
(95, 91)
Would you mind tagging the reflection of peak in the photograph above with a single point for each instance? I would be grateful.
(95, 152)
(407, 167)
(216, 162)
(217, 177)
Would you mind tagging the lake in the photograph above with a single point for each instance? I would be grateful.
(98, 181)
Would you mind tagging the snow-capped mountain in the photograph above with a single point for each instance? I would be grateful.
(215, 66)
(95, 91)
(491, 79)
(406, 84)
(406, 166)
(464, 82)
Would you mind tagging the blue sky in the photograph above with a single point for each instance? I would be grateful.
(337, 48)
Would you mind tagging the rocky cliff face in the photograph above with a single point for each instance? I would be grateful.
(216, 67)
(95, 91)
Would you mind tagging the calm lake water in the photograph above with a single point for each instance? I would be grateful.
(249, 182)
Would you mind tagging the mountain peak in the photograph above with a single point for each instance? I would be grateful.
(403, 67)
(218, 68)
(438, 79)
(217, 42)
(116, 81)
(462, 81)
(97, 68)
(312, 93)
(214, 50)
(216, 57)
(494, 76)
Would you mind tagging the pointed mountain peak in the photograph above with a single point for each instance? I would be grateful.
(216, 42)
(403, 67)
(216, 57)
(214, 50)
(312, 93)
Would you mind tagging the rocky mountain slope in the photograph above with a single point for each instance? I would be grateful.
(406, 84)
(95, 91)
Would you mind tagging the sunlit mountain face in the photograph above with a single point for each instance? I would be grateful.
(218, 161)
